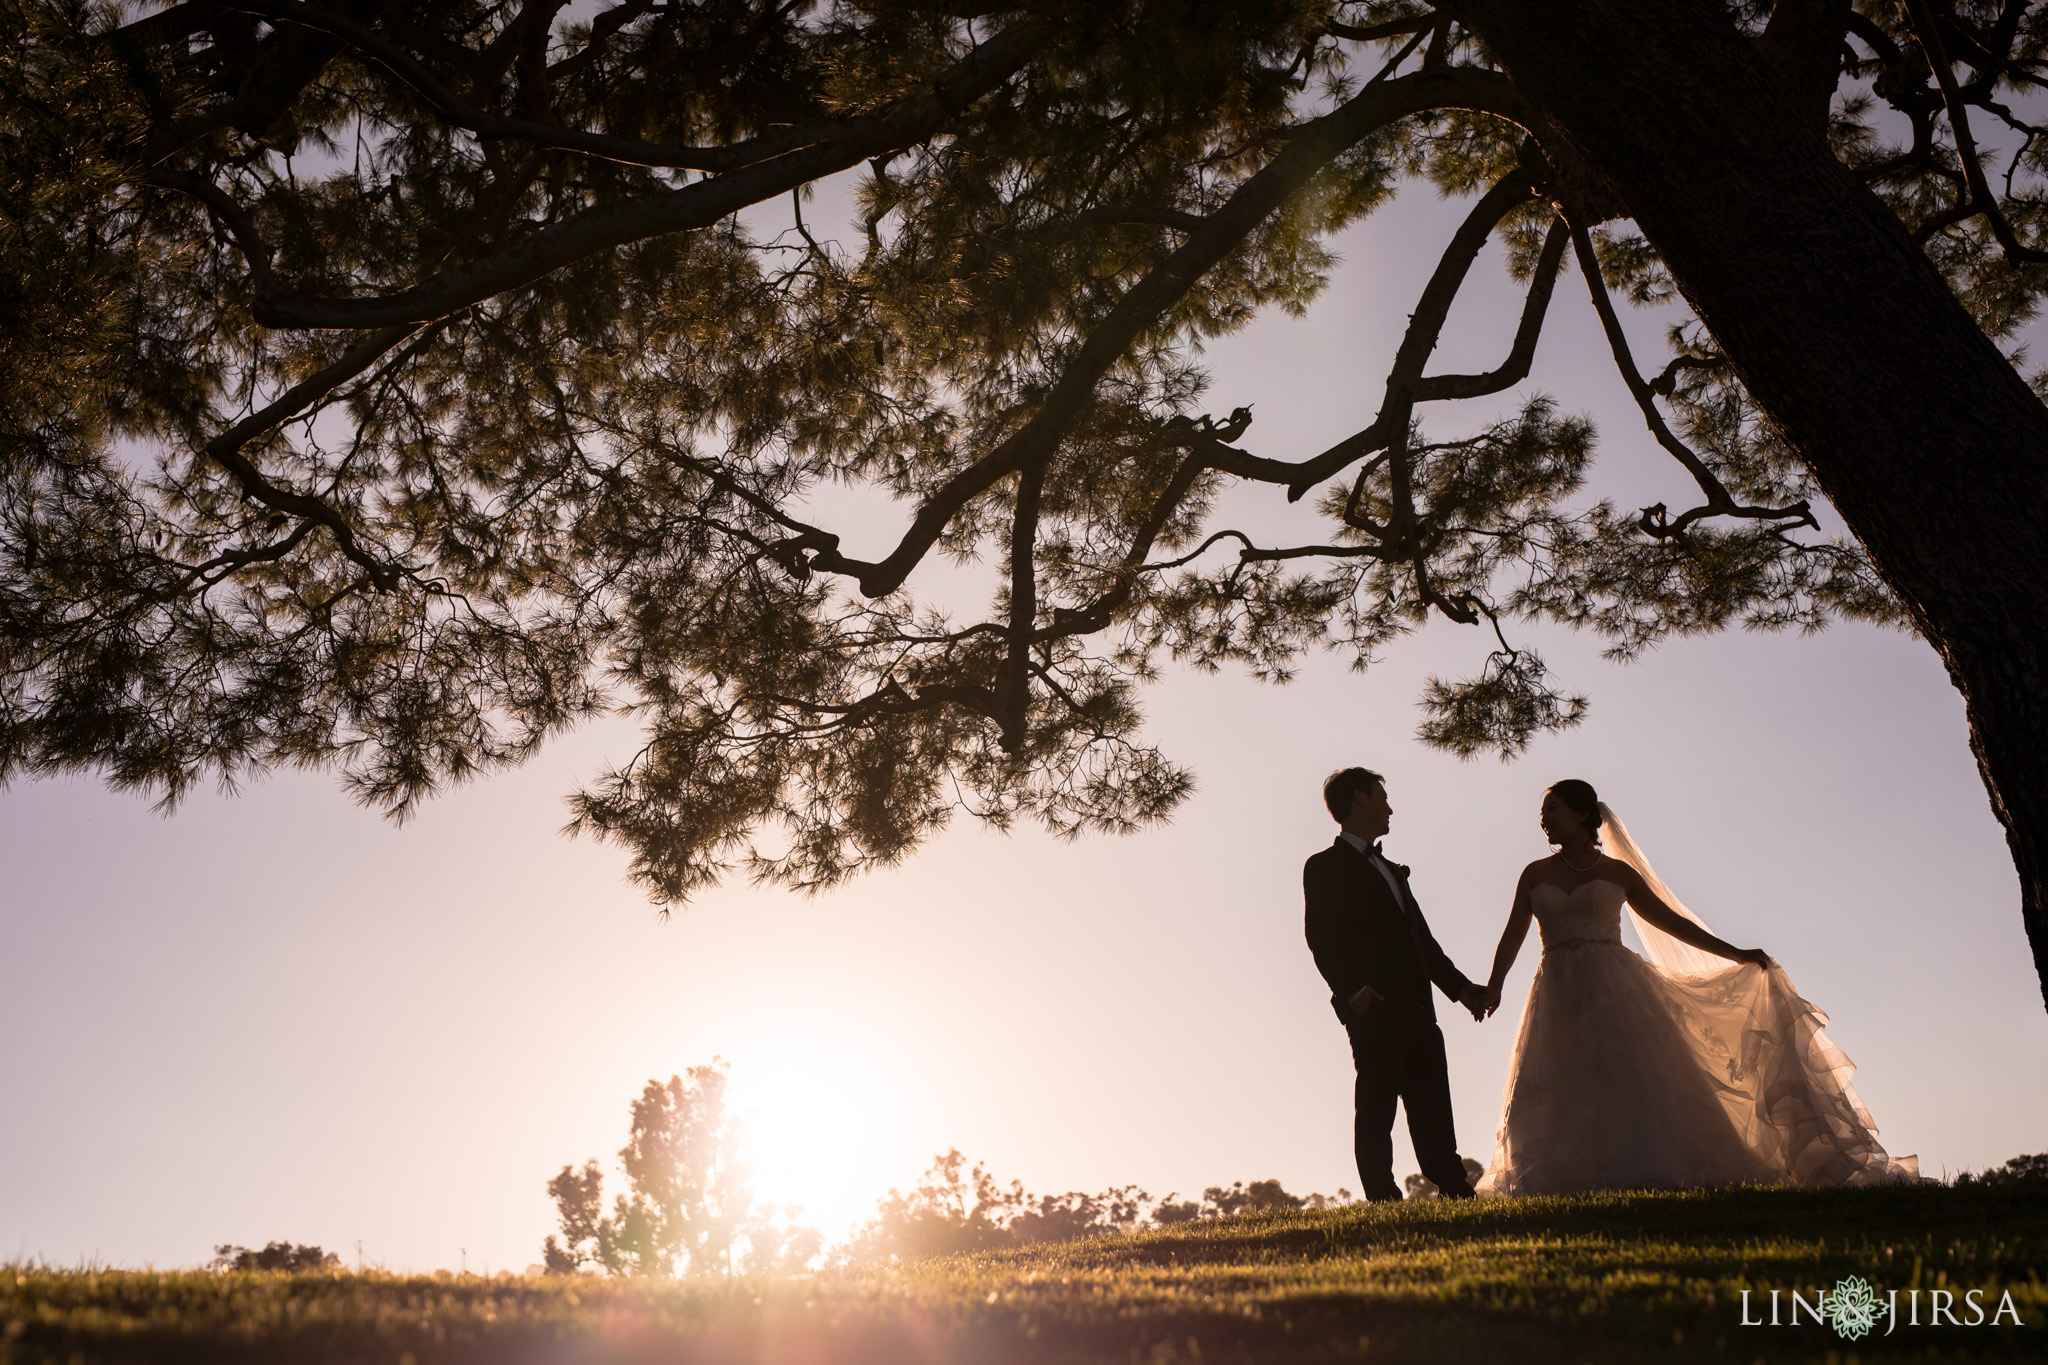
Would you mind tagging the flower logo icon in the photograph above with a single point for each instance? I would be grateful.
(1852, 1307)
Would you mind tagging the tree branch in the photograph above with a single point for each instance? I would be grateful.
(1099, 613)
(1484, 92)
(1250, 555)
(1314, 145)
(1392, 28)
(893, 699)
(1425, 326)
(1135, 213)
(1667, 381)
(1719, 502)
(231, 215)
(227, 561)
(226, 451)
(1522, 354)
(1013, 691)
(602, 29)
(284, 67)
(603, 227)
(627, 151)
(1981, 199)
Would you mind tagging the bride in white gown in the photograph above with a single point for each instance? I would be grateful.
(1700, 1066)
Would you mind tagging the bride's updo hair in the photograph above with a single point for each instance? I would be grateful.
(1581, 800)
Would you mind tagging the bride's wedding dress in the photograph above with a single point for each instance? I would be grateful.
(1689, 1071)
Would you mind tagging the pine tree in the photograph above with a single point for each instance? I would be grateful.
(389, 387)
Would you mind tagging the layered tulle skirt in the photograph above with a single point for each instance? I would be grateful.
(1629, 1077)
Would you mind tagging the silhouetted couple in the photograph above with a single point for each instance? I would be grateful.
(1698, 1066)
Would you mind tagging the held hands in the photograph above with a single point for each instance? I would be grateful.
(1481, 1000)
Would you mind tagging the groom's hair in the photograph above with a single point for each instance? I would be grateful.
(1340, 786)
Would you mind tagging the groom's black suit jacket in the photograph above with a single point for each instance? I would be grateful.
(1362, 937)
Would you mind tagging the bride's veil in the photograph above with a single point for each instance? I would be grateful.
(1662, 949)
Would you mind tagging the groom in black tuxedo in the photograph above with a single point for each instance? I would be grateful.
(1372, 946)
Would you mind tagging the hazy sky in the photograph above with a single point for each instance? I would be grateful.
(276, 1016)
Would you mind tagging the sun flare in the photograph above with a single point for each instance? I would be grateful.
(827, 1125)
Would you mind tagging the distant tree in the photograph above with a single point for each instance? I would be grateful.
(585, 1233)
(1170, 1211)
(954, 1209)
(1419, 1187)
(2027, 1172)
(275, 1256)
(1261, 1196)
(392, 386)
(1063, 1217)
(690, 1204)
(776, 1243)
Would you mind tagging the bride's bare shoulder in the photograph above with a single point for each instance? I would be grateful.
(1620, 873)
(1538, 870)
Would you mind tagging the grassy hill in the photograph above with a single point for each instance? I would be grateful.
(1605, 1278)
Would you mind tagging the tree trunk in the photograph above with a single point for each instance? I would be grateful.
(1925, 439)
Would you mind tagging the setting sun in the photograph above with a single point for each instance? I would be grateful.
(828, 1124)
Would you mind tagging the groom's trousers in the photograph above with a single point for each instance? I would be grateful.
(1402, 1058)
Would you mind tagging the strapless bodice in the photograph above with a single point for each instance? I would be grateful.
(1588, 913)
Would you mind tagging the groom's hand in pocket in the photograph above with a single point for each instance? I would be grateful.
(1362, 1000)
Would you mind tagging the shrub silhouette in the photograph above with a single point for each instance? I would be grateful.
(954, 1208)
(2021, 1170)
(275, 1256)
(1420, 1187)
